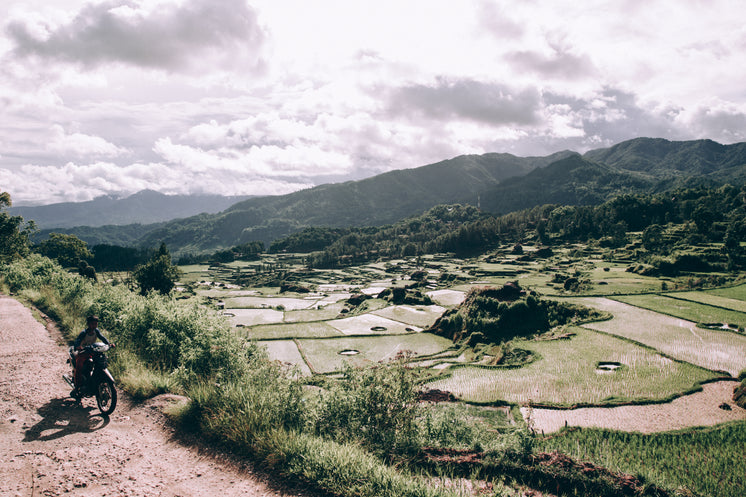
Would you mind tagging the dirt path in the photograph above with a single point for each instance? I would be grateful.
(50, 446)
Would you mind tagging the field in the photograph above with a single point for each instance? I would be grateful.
(329, 355)
(691, 308)
(567, 373)
(717, 350)
(649, 369)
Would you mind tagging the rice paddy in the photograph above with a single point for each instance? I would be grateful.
(716, 350)
(567, 374)
(325, 356)
(686, 309)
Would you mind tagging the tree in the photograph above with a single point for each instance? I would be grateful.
(14, 234)
(69, 250)
(158, 273)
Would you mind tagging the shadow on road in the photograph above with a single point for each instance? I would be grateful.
(62, 417)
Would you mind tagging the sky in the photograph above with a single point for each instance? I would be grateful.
(266, 97)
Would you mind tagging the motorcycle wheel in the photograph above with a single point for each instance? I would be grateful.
(106, 397)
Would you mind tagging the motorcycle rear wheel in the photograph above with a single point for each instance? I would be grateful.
(106, 396)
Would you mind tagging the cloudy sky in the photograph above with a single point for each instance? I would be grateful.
(270, 96)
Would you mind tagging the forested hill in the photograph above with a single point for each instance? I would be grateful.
(144, 207)
(382, 199)
(500, 183)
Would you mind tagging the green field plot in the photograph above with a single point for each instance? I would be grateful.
(252, 317)
(681, 339)
(736, 292)
(422, 316)
(568, 373)
(370, 324)
(324, 313)
(287, 352)
(289, 330)
(711, 299)
(328, 355)
(617, 281)
(692, 311)
(253, 302)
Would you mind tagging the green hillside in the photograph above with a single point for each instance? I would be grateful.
(497, 183)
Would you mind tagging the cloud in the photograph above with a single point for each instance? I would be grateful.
(162, 35)
(80, 145)
(493, 19)
(558, 64)
(79, 182)
(468, 99)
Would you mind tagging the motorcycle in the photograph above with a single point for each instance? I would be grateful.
(96, 379)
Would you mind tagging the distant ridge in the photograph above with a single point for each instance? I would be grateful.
(144, 207)
(500, 183)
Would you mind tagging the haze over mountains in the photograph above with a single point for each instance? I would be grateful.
(499, 183)
(144, 207)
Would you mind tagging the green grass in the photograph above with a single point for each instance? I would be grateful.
(712, 349)
(708, 461)
(324, 354)
(288, 330)
(691, 311)
(711, 300)
(370, 324)
(327, 312)
(566, 374)
(735, 292)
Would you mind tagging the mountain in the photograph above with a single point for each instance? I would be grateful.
(664, 159)
(501, 183)
(570, 181)
(382, 199)
(144, 207)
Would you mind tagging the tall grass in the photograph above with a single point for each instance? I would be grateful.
(709, 461)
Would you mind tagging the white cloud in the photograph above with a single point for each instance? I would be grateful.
(162, 35)
(81, 145)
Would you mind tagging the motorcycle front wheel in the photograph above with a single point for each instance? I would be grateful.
(106, 396)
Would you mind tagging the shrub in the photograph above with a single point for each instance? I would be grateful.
(376, 406)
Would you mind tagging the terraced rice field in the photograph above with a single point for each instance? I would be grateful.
(286, 330)
(370, 324)
(329, 355)
(421, 316)
(251, 317)
(711, 299)
(447, 298)
(716, 350)
(286, 351)
(567, 373)
(685, 309)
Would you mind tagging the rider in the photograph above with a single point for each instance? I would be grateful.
(88, 336)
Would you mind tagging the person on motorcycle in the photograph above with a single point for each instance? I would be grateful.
(88, 336)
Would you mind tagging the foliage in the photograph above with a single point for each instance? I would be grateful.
(492, 315)
(14, 233)
(158, 273)
(68, 250)
(107, 257)
(375, 405)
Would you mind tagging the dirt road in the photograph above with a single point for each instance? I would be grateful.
(51, 446)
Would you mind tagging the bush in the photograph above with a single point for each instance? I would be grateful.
(376, 406)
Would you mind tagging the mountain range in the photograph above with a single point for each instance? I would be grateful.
(497, 183)
(144, 207)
